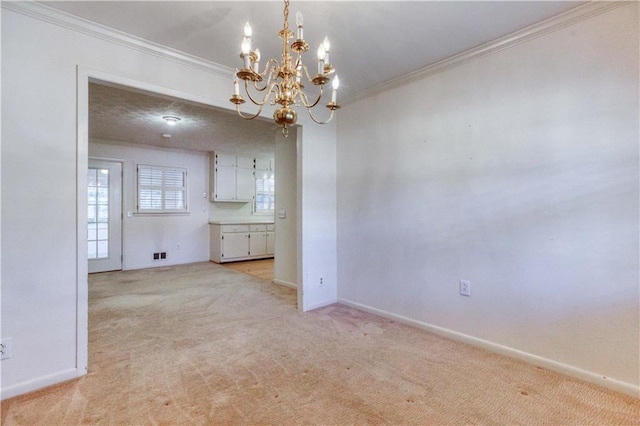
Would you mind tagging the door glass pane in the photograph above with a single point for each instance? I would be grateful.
(98, 213)
(103, 231)
(92, 177)
(103, 213)
(103, 195)
(103, 249)
(92, 232)
(93, 250)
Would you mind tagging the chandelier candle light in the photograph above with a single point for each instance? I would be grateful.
(283, 79)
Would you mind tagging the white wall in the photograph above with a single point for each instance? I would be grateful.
(317, 203)
(285, 269)
(43, 271)
(221, 211)
(185, 238)
(517, 171)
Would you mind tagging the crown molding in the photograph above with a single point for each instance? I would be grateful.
(555, 23)
(66, 20)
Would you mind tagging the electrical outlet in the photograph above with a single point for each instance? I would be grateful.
(465, 288)
(5, 348)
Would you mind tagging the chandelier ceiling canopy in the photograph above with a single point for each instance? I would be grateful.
(281, 82)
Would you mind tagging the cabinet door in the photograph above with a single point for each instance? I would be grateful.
(225, 183)
(235, 244)
(258, 244)
(225, 160)
(245, 162)
(271, 242)
(263, 163)
(245, 184)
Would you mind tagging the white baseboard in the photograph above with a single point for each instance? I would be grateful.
(40, 382)
(549, 364)
(319, 305)
(285, 283)
(163, 263)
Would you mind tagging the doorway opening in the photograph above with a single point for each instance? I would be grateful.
(86, 78)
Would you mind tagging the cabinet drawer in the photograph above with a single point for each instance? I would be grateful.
(271, 227)
(258, 228)
(235, 228)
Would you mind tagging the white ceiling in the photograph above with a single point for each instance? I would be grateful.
(372, 42)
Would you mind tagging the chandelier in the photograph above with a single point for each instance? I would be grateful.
(282, 82)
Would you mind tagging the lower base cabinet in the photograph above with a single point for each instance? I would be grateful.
(230, 243)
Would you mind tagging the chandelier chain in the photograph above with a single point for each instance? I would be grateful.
(286, 15)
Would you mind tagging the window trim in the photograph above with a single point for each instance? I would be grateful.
(162, 188)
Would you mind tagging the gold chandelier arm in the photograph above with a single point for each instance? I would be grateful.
(320, 122)
(264, 98)
(266, 83)
(250, 117)
(305, 100)
(271, 68)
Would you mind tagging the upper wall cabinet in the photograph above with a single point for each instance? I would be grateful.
(231, 178)
(264, 164)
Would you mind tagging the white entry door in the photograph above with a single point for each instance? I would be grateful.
(104, 198)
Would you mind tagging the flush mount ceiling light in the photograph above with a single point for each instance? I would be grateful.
(171, 120)
(283, 79)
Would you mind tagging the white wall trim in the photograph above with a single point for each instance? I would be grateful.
(41, 382)
(319, 305)
(66, 20)
(285, 283)
(164, 264)
(82, 261)
(562, 20)
(549, 364)
(84, 26)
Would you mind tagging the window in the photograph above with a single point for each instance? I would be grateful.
(265, 192)
(162, 189)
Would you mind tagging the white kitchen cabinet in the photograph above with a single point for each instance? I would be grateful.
(258, 240)
(271, 239)
(264, 163)
(231, 242)
(235, 245)
(231, 178)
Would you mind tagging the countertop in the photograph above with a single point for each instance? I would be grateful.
(242, 221)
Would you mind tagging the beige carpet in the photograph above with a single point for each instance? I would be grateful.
(203, 344)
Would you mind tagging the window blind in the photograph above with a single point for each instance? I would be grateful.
(161, 189)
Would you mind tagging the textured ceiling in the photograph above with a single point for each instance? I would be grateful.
(124, 115)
